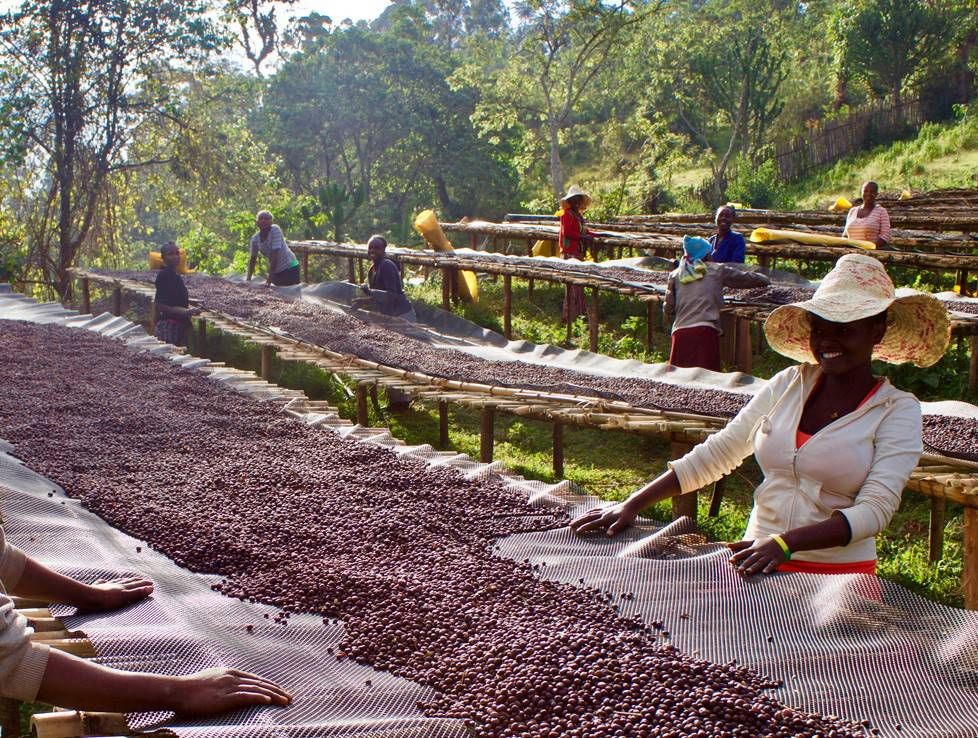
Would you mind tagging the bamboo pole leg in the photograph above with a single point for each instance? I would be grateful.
(744, 350)
(351, 269)
(442, 424)
(117, 300)
(201, 334)
(682, 505)
(938, 507)
(592, 321)
(267, 352)
(649, 326)
(558, 438)
(446, 290)
(9, 717)
(487, 424)
(508, 307)
(363, 417)
(717, 497)
(305, 267)
(969, 578)
(973, 368)
(86, 296)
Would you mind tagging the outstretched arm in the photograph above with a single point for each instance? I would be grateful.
(39, 582)
(618, 517)
(73, 682)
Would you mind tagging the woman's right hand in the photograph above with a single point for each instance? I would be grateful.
(614, 519)
(220, 690)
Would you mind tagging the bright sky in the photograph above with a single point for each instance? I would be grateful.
(339, 10)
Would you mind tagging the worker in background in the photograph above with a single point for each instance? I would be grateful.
(172, 302)
(727, 245)
(869, 221)
(283, 267)
(31, 671)
(694, 298)
(573, 239)
(384, 288)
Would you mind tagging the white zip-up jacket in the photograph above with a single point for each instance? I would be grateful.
(857, 464)
(22, 662)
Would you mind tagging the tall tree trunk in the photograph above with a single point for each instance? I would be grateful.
(556, 166)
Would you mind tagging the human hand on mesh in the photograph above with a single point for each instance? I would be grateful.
(614, 519)
(220, 690)
(112, 594)
(763, 555)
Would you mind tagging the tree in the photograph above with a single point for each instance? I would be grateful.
(561, 46)
(76, 83)
(257, 27)
(884, 42)
(725, 94)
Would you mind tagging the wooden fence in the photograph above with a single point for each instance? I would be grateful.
(833, 140)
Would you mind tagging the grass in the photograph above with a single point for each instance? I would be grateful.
(611, 465)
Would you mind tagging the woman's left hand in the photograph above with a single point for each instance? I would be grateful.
(754, 557)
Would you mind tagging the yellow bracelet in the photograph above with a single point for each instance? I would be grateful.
(784, 546)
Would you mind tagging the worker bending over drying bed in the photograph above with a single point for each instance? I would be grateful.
(31, 671)
(384, 287)
(283, 267)
(694, 298)
(836, 443)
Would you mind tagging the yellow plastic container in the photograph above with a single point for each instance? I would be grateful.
(840, 206)
(156, 262)
(426, 223)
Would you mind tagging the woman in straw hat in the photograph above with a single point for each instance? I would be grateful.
(836, 443)
(573, 235)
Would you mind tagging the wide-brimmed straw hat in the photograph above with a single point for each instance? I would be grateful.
(575, 191)
(917, 325)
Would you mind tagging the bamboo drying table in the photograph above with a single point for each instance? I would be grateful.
(938, 477)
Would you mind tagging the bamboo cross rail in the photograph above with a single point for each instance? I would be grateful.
(664, 244)
(957, 219)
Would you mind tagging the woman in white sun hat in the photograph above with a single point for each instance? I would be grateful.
(836, 443)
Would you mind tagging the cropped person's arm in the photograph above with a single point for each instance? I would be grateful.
(885, 233)
(72, 682)
(739, 279)
(39, 582)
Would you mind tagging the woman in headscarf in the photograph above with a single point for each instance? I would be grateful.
(573, 235)
(694, 297)
(836, 443)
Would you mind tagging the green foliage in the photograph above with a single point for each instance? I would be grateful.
(759, 187)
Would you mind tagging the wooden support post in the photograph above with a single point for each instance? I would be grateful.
(86, 296)
(455, 276)
(267, 352)
(305, 267)
(973, 368)
(117, 300)
(592, 321)
(728, 339)
(446, 289)
(682, 504)
(558, 439)
(201, 334)
(529, 282)
(650, 326)
(9, 717)
(473, 242)
(487, 424)
(443, 424)
(351, 269)
(716, 497)
(938, 507)
(361, 276)
(764, 261)
(969, 577)
(152, 318)
(508, 306)
(363, 417)
(375, 401)
(743, 349)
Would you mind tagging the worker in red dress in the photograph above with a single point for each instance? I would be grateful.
(574, 236)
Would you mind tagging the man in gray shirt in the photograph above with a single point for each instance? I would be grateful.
(283, 267)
